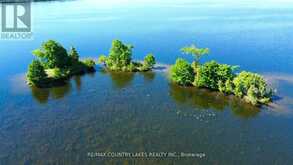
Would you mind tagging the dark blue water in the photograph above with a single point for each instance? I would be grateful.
(105, 112)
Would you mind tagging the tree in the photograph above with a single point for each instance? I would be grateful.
(252, 95)
(53, 55)
(226, 87)
(36, 73)
(214, 75)
(196, 52)
(73, 54)
(182, 73)
(149, 61)
(120, 59)
(120, 55)
(102, 59)
(89, 63)
(253, 87)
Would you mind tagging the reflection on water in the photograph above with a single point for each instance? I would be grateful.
(121, 80)
(198, 98)
(148, 76)
(77, 80)
(43, 94)
(132, 112)
(242, 109)
(60, 92)
(203, 99)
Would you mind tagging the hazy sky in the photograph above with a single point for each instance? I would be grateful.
(185, 3)
(191, 1)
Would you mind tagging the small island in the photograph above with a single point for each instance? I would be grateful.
(53, 65)
(120, 59)
(220, 77)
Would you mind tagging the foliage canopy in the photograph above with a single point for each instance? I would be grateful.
(196, 52)
(181, 72)
(149, 61)
(120, 55)
(252, 87)
(53, 55)
(55, 65)
(73, 55)
(120, 59)
(210, 74)
(221, 77)
(36, 72)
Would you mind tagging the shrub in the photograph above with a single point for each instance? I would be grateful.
(181, 72)
(229, 86)
(89, 63)
(214, 75)
(56, 73)
(136, 66)
(253, 87)
(53, 55)
(36, 73)
(149, 61)
(102, 59)
(252, 95)
(225, 87)
(143, 68)
(131, 67)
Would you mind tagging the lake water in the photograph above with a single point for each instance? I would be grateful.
(144, 112)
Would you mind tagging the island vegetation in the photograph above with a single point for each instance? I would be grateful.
(120, 59)
(53, 65)
(220, 77)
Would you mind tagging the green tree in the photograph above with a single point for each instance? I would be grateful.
(102, 59)
(36, 73)
(182, 73)
(252, 95)
(149, 61)
(253, 87)
(196, 52)
(89, 63)
(213, 75)
(73, 54)
(53, 55)
(226, 87)
(120, 55)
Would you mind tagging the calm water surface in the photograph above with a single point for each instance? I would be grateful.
(144, 112)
